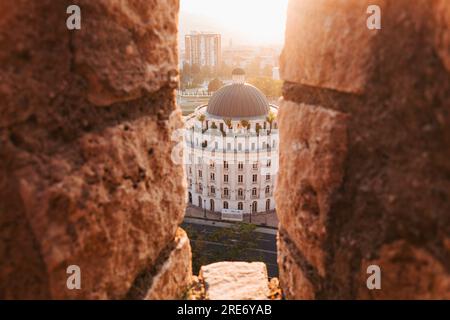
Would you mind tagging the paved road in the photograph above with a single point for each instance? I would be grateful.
(266, 250)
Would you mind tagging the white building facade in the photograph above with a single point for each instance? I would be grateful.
(231, 150)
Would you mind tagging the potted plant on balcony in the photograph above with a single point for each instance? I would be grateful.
(271, 117)
(228, 123)
(245, 124)
(258, 128)
(202, 119)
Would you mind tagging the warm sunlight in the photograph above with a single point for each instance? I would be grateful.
(244, 21)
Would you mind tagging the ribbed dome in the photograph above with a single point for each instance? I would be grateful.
(238, 71)
(238, 101)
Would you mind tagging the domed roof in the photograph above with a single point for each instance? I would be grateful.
(238, 100)
(238, 71)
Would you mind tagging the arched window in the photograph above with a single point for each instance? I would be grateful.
(211, 205)
(200, 202)
(267, 204)
(213, 190)
(240, 206)
(254, 192)
(254, 207)
(225, 191)
(225, 205)
(240, 192)
(267, 189)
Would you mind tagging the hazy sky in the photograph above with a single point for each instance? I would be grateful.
(256, 21)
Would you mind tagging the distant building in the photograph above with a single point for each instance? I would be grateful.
(203, 49)
(232, 147)
(276, 73)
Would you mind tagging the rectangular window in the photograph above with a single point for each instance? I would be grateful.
(269, 163)
(255, 165)
(240, 178)
(225, 164)
(225, 178)
(200, 173)
(213, 176)
(268, 177)
(255, 178)
(240, 165)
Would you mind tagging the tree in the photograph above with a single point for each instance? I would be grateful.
(201, 118)
(245, 123)
(228, 123)
(271, 117)
(214, 85)
(224, 70)
(185, 76)
(269, 86)
(258, 128)
(254, 68)
(267, 71)
(239, 240)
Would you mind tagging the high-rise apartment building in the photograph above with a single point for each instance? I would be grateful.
(203, 49)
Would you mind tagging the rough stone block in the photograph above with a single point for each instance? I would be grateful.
(132, 51)
(235, 281)
(83, 185)
(407, 272)
(442, 30)
(174, 275)
(313, 147)
(293, 280)
(319, 34)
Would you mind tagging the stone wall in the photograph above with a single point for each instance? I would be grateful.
(85, 141)
(365, 148)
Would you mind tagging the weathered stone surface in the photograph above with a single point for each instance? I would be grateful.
(293, 279)
(235, 281)
(80, 184)
(395, 184)
(142, 35)
(407, 272)
(442, 32)
(313, 144)
(174, 275)
(329, 45)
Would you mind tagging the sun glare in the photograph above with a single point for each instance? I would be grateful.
(256, 21)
